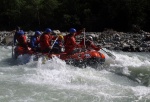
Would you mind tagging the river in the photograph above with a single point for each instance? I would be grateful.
(125, 79)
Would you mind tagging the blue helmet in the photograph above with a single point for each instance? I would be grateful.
(38, 32)
(21, 32)
(48, 30)
(72, 30)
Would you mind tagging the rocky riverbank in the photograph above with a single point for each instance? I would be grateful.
(129, 42)
(110, 39)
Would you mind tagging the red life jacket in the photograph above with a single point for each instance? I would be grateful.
(70, 43)
(22, 40)
(45, 41)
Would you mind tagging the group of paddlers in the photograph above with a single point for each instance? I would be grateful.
(47, 43)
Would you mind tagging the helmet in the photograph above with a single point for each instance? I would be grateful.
(72, 30)
(60, 37)
(90, 38)
(38, 32)
(21, 32)
(48, 30)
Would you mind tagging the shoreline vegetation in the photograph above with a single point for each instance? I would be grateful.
(94, 15)
(126, 18)
(135, 41)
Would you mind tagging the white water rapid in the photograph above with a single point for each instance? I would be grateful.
(125, 79)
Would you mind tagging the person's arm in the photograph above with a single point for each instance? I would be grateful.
(95, 47)
(79, 32)
(75, 44)
(46, 41)
(82, 43)
(73, 41)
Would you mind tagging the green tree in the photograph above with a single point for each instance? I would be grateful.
(10, 12)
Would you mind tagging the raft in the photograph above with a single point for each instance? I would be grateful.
(82, 58)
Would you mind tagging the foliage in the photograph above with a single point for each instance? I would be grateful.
(95, 15)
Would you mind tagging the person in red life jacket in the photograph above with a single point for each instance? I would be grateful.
(58, 45)
(45, 41)
(34, 41)
(70, 41)
(22, 40)
(89, 44)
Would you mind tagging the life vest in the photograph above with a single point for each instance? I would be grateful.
(45, 41)
(22, 40)
(70, 44)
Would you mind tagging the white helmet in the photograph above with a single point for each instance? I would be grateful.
(90, 38)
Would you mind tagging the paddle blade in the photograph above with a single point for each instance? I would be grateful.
(110, 54)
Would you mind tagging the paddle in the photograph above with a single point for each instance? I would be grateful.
(12, 47)
(53, 45)
(109, 54)
(45, 58)
(84, 37)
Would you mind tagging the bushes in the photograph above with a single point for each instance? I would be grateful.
(95, 15)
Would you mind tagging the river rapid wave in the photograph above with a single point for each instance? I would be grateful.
(125, 79)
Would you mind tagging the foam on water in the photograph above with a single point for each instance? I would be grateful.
(133, 65)
(59, 82)
(102, 85)
(131, 60)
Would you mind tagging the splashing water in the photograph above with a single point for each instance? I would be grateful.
(55, 81)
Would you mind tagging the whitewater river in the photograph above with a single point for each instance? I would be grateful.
(125, 79)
